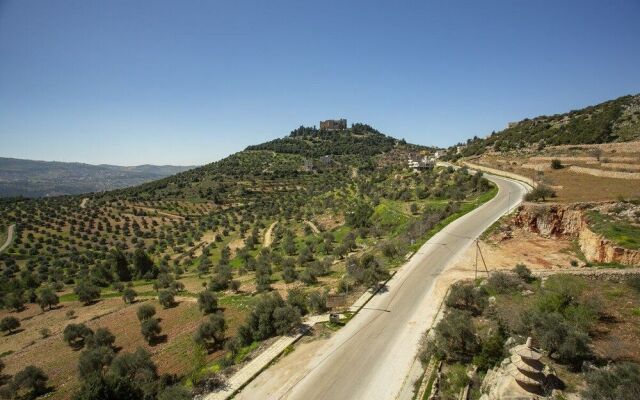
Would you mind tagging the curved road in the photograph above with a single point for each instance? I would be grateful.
(372, 355)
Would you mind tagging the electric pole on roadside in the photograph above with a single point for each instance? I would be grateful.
(479, 251)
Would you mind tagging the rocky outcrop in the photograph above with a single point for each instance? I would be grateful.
(569, 221)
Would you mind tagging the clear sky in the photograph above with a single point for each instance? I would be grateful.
(189, 82)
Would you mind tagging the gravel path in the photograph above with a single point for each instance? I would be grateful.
(268, 235)
(10, 233)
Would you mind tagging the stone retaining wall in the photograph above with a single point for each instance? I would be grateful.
(499, 172)
(605, 174)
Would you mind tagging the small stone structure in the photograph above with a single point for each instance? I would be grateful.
(522, 376)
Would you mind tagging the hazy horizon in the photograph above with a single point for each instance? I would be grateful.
(128, 84)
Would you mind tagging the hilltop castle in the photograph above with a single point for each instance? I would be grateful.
(333, 124)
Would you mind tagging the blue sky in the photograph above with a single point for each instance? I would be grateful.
(189, 82)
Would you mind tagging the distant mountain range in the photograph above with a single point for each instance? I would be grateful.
(31, 178)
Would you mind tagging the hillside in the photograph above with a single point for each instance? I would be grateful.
(31, 178)
(612, 121)
(253, 242)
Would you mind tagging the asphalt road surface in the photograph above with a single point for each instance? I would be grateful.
(371, 356)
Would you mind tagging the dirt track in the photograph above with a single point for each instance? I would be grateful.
(268, 235)
(10, 233)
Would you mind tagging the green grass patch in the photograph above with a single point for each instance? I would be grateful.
(390, 214)
(244, 352)
(622, 233)
(465, 208)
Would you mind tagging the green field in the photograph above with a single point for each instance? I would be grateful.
(622, 233)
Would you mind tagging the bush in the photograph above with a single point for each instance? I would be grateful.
(9, 324)
(491, 352)
(318, 301)
(467, 297)
(14, 301)
(556, 164)
(540, 192)
(297, 298)
(523, 273)
(129, 295)
(150, 329)
(455, 338)
(87, 293)
(619, 382)
(32, 381)
(210, 334)
(503, 282)
(76, 335)
(634, 282)
(286, 319)
(175, 392)
(145, 311)
(94, 361)
(47, 298)
(268, 318)
(102, 337)
(165, 298)
(207, 302)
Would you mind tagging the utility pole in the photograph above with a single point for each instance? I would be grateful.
(479, 251)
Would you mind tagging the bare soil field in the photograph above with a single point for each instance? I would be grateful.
(574, 186)
(174, 353)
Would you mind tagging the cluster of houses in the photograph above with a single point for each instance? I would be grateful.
(416, 163)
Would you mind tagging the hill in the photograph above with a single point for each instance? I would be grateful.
(612, 121)
(30, 178)
(260, 237)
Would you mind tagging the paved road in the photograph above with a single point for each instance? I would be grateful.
(10, 233)
(371, 356)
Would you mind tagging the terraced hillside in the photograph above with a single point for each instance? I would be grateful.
(342, 211)
(612, 121)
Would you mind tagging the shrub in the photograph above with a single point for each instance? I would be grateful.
(210, 334)
(540, 192)
(14, 301)
(150, 329)
(94, 361)
(523, 272)
(207, 301)
(318, 301)
(465, 296)
(165, 298)
(76, 335)
(556, 164)
(87, 293)
(102, 337)
(47, 298)
(175, 392)
(31, 380)
(129, 295)
(634, 282)
(503, 282)
(9, 324)
(491, 352)
(145, 311)
(286, 319)
(455, 338)
(619, 382)
(298, 299)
